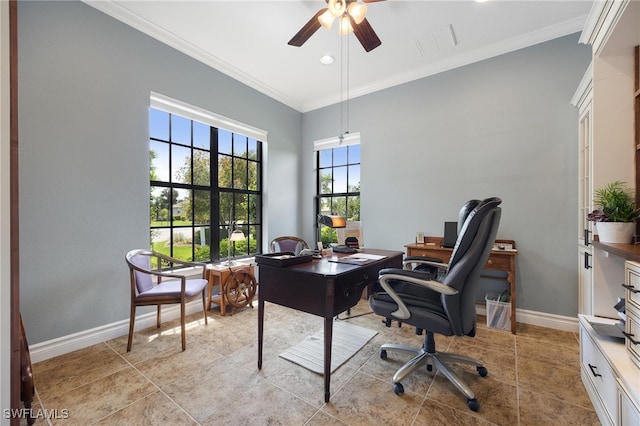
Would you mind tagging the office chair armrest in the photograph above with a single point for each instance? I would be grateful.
(412, 277)
(424, 260)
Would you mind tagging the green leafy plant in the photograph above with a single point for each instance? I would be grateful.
(616, 203)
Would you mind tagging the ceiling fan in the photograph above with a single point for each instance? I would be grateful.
(351, 15)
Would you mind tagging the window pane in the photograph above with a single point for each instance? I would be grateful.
(182, 243)
(160, 206)
(202, 243)
(181, 208)
(226, 204)
(239, 145)
(240, 174)
(240, 208)
(181, 164)
(224, 171)
(202, 206)
(325, 158)
(339, 206)
(159, 157)
(354, 178)
(353, 208)
(201, 135)
(253, 175)
(253, 149)
(180, 130)
(224, 141)
(340, 156)
(254, 205)
(201, 168)
(354, 154)
(325, 205)
(339, 180)
(326, 178)
(158, 124)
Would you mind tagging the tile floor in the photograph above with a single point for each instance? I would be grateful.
(534, 378)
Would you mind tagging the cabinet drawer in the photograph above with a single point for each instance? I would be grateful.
(600, 375)
(632, 340)
(632, 285)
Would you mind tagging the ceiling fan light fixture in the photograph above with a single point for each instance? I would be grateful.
(345, 25)
(357, 11)
(326, 19)
(337, 7)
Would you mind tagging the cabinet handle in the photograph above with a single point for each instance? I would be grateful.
(593, 370)
(630, 337)
(586, 236)
(631, 288)
(586, 261)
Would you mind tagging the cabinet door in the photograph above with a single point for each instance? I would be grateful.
(585, 287)
(629, 413)
(585, 191)
(600, 377)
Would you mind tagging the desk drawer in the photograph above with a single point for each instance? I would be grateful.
(632, 285)
(599, 374)
(498, 262)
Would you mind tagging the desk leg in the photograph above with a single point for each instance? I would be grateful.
(260, 330)
(328, 336)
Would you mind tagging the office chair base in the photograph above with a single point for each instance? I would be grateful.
(439, 360)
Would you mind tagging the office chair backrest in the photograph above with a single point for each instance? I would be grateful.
(469, 256)
(464, 212)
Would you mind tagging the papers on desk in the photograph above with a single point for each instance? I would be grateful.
(358, 258)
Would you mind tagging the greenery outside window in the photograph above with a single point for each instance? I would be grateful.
(202, 177)
(338, 181)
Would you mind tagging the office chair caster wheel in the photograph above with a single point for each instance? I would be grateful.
(398, 388)
(240, 289)
(482, 371)
(383, 354)
(473, 404)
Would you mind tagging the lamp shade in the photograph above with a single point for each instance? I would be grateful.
(332, 221)
(237, 235)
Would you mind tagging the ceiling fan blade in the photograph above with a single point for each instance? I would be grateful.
(371, 1)
(307, 30)
(365, 34)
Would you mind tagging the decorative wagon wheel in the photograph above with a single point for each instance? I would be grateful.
(240, 289)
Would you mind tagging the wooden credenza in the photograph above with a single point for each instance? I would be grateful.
(499, 260)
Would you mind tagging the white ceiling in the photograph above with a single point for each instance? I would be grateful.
(247, 40)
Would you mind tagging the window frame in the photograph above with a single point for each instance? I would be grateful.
(251, 224)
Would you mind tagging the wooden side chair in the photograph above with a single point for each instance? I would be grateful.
(169, 287)
(288, 243)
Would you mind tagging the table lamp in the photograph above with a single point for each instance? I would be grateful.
(332, 221)
(236, 235)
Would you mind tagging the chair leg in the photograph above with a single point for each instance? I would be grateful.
(132, 320)
(204, 306)
(182, 323)
(158, 321)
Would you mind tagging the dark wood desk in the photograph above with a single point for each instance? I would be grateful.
(499, 260)
(322, 288)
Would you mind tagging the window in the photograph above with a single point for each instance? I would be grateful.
(338, 181)
(192, 201)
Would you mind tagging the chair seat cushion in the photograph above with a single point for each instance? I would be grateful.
(168, 288)
(427, 314)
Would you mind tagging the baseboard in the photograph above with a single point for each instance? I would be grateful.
(72, 342)
(542, 319)
(82, 339)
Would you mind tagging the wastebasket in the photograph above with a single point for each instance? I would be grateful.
(498, 311)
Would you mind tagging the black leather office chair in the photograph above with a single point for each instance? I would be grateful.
(445, 306)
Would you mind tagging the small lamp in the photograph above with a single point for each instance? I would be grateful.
(236, 235)
(331, 221)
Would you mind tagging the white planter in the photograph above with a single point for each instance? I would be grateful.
(616, 232)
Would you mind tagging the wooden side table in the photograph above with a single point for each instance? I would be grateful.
(499, 260)
(217, 275)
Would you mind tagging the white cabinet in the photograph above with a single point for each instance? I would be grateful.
(632, 298)
(585, 286)
(608, 374)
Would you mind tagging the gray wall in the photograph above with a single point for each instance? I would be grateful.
(501, 127)
(84, 86)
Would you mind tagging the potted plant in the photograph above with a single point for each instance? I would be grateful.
(617, 213)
